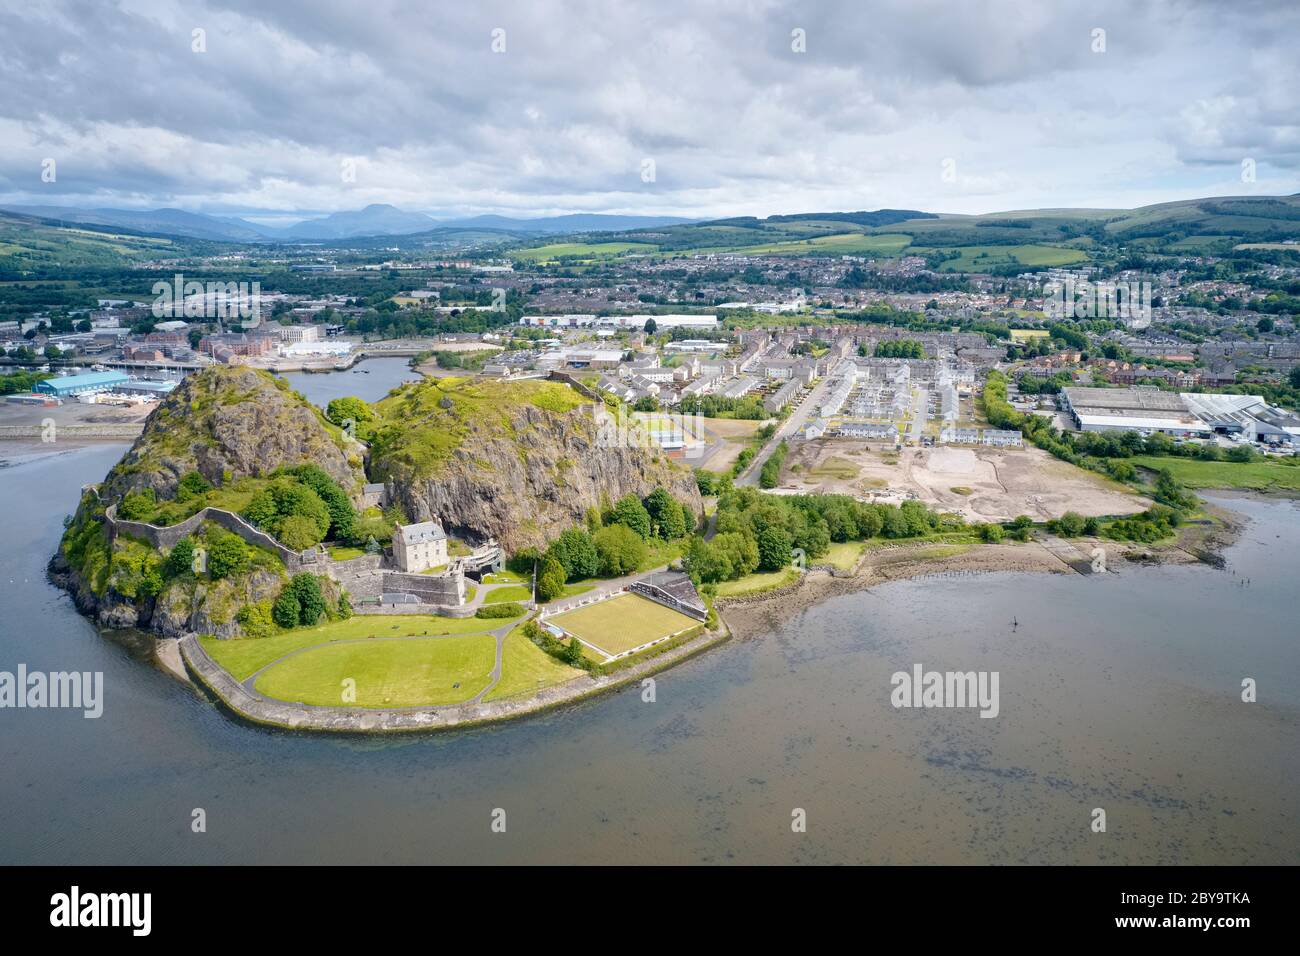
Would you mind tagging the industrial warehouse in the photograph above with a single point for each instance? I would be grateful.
(1145, 408)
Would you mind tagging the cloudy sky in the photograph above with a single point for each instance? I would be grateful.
(673, 107)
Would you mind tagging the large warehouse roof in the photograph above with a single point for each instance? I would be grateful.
(71, 384)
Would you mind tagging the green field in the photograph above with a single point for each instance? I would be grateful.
(524, 592)
(622, 623)
(580, 250)
(1254, 475)
(843, 555)
(981, 258)
(243, 658)
(404, 672)
(526, 668)
(757, 583)
(846, 243)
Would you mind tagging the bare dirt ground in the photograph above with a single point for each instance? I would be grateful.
(74, 413)
(726, 438)
(981, 484)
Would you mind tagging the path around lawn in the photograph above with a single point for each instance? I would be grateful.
(499, 634)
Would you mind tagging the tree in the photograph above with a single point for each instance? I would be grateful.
(773, 549)
(1070, 524)
(311, 602)
(298, 532)
(351, 409)
(895, 524)
(137, 505)
(551, 578)
(1294, 377)
(577, 552)
(992, 533)
(286, 610)
(665, 515)
(630, 512)
(192, 485)
(180, 559)
(342, 515)
(621, 550)
(651, 326)
(227, 555)
(573, 652)
(1020, 527)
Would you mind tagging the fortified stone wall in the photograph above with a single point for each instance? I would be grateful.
(430, 588)
(164, 538)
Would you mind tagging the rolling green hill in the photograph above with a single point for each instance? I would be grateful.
(1004, 241)
(30, 244)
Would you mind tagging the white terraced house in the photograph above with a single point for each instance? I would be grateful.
(418, 547)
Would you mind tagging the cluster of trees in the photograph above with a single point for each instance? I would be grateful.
(1037, 385)
(719, 406)
(900, 348)
(611, 544)
(20, 381)
(353, 414)
(770, 474)
(301, 602)
(139, 571)
(1158, 521)
(302, 507)
(757, 532)
(570, 653)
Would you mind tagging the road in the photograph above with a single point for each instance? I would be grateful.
(791, 426)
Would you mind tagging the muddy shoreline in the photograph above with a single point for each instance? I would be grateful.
(1195, 544)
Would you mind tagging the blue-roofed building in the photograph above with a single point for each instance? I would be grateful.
(70, 385)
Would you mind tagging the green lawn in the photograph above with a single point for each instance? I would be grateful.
(346, 554)
(506, 577)
(387, 673)
(843, 554)
(525, 593)
(526, 668)
(623, 623)
(513, 592)
(243, 658)
(756, 583)
(1255, 475)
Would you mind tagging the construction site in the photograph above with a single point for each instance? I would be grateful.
(980, 483)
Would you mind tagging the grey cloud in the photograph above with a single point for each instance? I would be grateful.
(586, 90)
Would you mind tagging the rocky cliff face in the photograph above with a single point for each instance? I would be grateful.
(228, 423)
(521, 470)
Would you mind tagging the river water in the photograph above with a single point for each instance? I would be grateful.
(1118, 692)
(371, 379)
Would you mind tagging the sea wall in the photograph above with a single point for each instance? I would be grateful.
(261, 710)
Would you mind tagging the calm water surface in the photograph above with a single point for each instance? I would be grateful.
(371, 379)
(1118, 692)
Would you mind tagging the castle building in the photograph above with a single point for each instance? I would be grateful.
(418, 547)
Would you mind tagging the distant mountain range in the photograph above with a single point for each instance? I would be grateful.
(374, 220)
